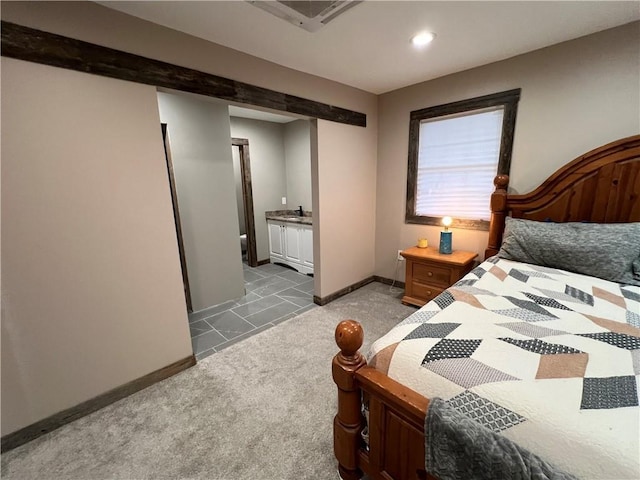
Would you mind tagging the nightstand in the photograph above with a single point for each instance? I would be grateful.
(430, 272)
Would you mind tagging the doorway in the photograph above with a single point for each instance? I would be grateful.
(247, 199)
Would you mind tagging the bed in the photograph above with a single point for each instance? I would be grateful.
(547, 357)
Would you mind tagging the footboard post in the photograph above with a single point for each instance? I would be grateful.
(348, 423)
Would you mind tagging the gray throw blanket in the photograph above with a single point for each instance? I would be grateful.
(458, 448)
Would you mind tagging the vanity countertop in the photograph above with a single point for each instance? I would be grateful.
(289, 216)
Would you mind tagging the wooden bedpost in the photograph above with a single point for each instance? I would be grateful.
(348, 423)
(498, 214)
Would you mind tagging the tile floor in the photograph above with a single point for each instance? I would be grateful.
(273, 294)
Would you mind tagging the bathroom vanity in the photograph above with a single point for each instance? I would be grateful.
(291, 240)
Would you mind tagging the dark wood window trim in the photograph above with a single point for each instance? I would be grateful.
(31, 45)
(509, 100)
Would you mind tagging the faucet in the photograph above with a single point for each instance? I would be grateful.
(300, 211)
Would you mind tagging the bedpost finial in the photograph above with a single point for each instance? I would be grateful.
(501, 181)
(349, 337)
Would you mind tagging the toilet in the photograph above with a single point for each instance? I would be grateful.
(243, 243)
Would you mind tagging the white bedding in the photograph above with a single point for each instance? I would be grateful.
(547, 358)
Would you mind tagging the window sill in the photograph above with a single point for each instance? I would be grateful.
(464, 224)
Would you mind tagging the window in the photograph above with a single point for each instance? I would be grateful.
(455, 151)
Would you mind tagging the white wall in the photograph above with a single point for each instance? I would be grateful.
(575, 96)
(297, 151)
(200, 142)
(92, 293)
(268, 177)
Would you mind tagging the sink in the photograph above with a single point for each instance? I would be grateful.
(291, 218)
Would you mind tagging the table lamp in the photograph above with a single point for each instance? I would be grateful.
(445, 236)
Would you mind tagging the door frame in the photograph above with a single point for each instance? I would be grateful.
(176, 216)
(247, 199)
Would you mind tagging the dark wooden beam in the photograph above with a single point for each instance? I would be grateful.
(24, 43)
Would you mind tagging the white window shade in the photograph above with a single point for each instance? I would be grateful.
(457, 161)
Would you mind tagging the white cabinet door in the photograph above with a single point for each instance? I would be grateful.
(276, 240)
(306, 241)
(291, 244)
(292, 239)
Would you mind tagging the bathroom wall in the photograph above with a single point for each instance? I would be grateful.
(200, 143)
(280, 167)
(268, 171)
(297, 151)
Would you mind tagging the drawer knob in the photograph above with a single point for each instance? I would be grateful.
(428, 292)
(430, 274)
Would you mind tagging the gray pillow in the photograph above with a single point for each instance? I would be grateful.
(610, 251)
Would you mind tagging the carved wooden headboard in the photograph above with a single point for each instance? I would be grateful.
(600, 186)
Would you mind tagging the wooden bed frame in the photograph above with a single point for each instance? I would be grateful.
(600, 186)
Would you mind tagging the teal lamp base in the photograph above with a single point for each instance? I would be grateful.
(445, 242)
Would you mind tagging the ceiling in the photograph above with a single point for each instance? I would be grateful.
(368, 46)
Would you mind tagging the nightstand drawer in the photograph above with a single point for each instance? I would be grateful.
(431, 274)
(426, 292)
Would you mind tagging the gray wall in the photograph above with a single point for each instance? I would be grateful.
(576, 96)
(92, 294)
(297, 152)
(268, 174)
(200, 143)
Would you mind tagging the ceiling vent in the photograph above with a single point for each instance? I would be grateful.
(310, 15)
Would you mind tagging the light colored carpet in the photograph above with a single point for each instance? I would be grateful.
(261, 409)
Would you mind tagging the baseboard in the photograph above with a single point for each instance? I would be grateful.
(388, 281)
(342, 292)
(264, 262)
(57, 420)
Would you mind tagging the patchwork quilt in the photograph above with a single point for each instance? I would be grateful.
(548, 358)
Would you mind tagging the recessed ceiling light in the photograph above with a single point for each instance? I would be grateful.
(423, 38)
